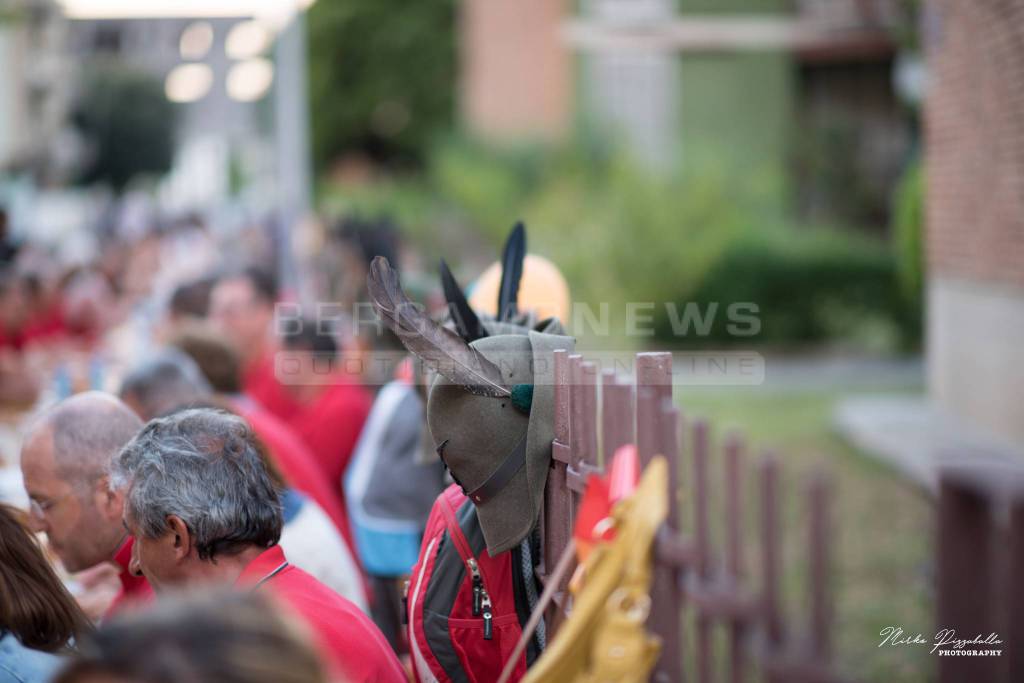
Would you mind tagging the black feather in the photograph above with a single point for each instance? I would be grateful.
(444, 351)
(466, 323)
(511, 272)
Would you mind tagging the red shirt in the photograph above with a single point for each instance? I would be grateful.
(259, 382)
(14, 339)
(330, 426)
(351, 644)
(297, 464)
(134, 589)
(45, 326)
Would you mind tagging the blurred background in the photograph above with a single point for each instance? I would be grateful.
(704, 152)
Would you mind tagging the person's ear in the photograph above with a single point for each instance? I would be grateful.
(109, 503)
(182, 538)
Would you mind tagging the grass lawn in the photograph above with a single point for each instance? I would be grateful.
(883, 527)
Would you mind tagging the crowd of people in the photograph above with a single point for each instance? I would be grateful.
(220, 498)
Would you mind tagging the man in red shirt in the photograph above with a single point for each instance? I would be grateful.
(204, 511)
(242, 308)
(64, 462)
(333, 404)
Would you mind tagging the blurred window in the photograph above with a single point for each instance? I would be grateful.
(196, 40)
(107, 39)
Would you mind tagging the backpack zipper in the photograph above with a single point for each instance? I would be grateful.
(488, 616)
(481, 600)
(478, 585)
(405, 603)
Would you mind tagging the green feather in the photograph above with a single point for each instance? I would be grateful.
(522, 397)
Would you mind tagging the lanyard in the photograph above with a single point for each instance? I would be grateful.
(271, 575)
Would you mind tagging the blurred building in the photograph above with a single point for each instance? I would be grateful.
(35, 89)
(213, 68)
(798, 95)
(516, 69)
(214, 129)
(974, 121)
(156, 46)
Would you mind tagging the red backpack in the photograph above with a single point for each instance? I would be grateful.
(465, 609)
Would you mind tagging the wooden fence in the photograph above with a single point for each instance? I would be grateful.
(979, 540)
(979, 565)
(598, 411)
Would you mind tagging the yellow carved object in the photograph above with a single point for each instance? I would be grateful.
(604, 639)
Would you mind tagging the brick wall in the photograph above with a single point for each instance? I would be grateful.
(974, 126)
(974, 137)
(516, 69)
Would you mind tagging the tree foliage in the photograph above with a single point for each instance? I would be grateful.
(908, 230)
(382, 77)
(128, 126)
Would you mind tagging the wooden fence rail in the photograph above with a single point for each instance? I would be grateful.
(597, 412)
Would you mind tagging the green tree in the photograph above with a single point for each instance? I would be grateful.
(128, 124)
(908, 231)
(382, 77)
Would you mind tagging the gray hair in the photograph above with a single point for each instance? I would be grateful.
(202, 465)
(88, 430)
(164, 382)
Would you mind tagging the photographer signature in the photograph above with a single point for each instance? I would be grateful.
(946, 639)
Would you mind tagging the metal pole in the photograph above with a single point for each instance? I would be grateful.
(294, 165)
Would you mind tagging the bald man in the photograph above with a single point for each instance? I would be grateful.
(65, 460)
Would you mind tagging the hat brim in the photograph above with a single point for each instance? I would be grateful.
(508, 517)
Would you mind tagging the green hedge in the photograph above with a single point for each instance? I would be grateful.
(811, 288)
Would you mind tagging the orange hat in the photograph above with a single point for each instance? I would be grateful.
(542, 290)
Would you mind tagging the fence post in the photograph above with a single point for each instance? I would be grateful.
(588, 391)
(1013, 639)
(666, 618)
(770, 560)
(965, 566)
(558, 510)
(702, 541)
(734, 559)
(576, 412)
(654, 380)
(616, 415)
(818, 494)
(654, 436)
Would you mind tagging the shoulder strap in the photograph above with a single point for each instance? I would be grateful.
(454, 530)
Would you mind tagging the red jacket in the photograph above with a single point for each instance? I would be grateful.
(350, 643)
(134, 589)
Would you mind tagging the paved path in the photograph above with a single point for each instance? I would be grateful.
(916, 438)
(843, 373)
(768, 372)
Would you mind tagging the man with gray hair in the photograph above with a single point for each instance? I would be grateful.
(164, 382)
(65, 457)
(203, 510)
(170, 380)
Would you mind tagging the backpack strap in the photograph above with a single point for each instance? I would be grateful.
(454, 530)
